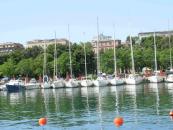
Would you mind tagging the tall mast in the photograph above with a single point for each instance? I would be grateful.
(155, 52)
(44, 61)
(71, 72)
(115, 60)
(85, 60)
(132, 57)
(55, 59)
(170, 53)
(98, 56)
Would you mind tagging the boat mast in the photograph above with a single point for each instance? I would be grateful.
(71, 71)
(98, 56)
(55, 59)
(155, 52)
(132, 57)
(44, 62)
(115, 60)
(170, 53)
(85, 60)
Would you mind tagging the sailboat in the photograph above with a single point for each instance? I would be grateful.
(46, 81)
(169, 77)
(133, 78)
(86, 82)
(116, 80)
(57, 83)
(33, 84)
(156, 78)
(71, 83)
(101, 80)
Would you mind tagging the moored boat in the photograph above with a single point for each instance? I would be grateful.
(33, 84)
(133, 78)
(169, 77)
(86, 83)
(46, 82)
(58, 83)
(71, 83)
(156, 78)
(100, 81)
(15, 85)
(117, 81)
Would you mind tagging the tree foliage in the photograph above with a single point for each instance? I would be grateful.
(29, 62)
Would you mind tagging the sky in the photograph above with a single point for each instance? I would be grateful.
(25, 20)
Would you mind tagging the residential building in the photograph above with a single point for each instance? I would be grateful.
(105, 42)
(9, 47)
(157, 33)
(47, 42)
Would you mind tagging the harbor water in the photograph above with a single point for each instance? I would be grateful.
(143, 107)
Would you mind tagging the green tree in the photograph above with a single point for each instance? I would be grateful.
(8, 68)
(24, 67)
(32, 52)
(63, 63)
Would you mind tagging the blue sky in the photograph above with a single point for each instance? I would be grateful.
(24, 20)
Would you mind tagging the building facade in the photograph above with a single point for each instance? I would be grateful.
(46, 42)
(158, 33)
(9, 47)
(105, 43)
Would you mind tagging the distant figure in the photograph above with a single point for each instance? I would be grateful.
(40, 79)
(26, 79)
(68, 76)
(80, 77)
(45, 78)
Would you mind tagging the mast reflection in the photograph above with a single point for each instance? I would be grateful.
(133, 91)
(117, 90)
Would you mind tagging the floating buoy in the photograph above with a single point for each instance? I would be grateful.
(171, 113)
(118, 121)
(42, 121)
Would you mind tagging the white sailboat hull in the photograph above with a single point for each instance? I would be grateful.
(100, 82)
(132, 80)
(32, 85)
(86, 83)
(169, 78)
(117, 81)
(155, 79)
(45, 85)
(58, 84)
(71, 83)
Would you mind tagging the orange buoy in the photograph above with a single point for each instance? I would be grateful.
(42, 121)
(118, 121)
(171, 113)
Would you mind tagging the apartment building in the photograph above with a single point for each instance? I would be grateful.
(105, 42)
(157, 33)
(46, 42)
(9, 47)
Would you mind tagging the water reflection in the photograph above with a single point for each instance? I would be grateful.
(84, 91)
(169, 87)
(145, 105)
(133, 91)
(155, 87)
(117, 90)
(13, 98)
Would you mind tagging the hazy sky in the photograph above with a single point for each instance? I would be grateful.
(23, 20)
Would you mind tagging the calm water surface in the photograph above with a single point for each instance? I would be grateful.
(143, 107)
